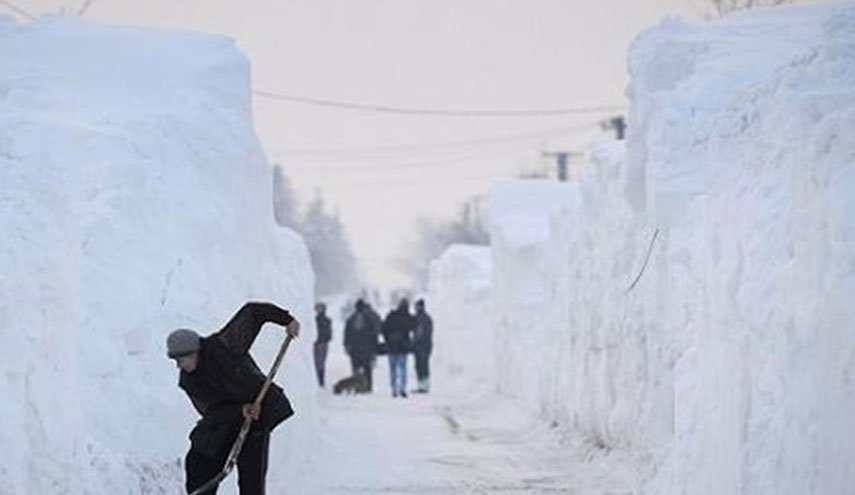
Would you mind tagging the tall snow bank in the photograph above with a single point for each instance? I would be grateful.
(745, 139)
(460, 305)
(524, 216)
(568, 339)
(690, 302)
(135, 199)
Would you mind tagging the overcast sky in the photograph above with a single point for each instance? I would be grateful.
(427, 54)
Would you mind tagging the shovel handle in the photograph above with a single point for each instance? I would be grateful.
(244, 429)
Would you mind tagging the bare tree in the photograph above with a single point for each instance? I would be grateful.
(724, 7)
(433, 237)
(284, 200)
(331, 253)
(332, 257)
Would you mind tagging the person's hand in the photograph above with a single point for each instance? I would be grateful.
(251, 411)
(293, 328)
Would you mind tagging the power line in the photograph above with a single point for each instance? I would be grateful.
(434, 112)
(18, 10)
(383, 161)
(644, 266)
(371, 152)
(402, 165)
(85, 8)
(429, 184)
(443, 154)
(402, 162)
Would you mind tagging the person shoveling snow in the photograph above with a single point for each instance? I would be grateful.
(238, 404)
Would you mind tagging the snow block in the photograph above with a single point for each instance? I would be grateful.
(136, 199)
(747, 154)
(689, 301)
(460, 303)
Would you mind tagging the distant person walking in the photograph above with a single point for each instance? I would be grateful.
(377, 325)
(422, 346)
(222, 381)
(397, 330)
(376, 320)
(322, 343)
(360, 341)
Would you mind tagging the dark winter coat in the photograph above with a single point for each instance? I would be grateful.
(397, 331)
(324, 325)
(423, 335)
(375, 318)
(360, 336)
(226, 378)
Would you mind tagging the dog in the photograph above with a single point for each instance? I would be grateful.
(356, 384)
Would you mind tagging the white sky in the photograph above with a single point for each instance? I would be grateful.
(434, 54)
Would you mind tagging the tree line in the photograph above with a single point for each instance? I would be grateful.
(331, 253)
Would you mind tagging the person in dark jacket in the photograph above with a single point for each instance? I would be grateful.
(360, 341)
(397, 333)
(324, 326)
(422, 346)
(377, 326)
(222, 381)
(376, 320)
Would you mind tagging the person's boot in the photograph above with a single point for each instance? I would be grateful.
(422, 389)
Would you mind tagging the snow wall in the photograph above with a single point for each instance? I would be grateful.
(460, 305)
(746, 158)
(689, 301)
(135, 199)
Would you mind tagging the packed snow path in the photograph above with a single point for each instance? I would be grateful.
(446, 444)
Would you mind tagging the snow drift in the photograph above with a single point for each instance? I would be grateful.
(459, 298)
(689, 301)
(135, 199)
(749, 165)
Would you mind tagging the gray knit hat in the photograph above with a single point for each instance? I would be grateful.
(181, 342)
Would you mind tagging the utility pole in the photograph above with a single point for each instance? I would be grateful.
(618, 124)
(561, 159)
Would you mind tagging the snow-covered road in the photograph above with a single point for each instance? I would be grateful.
(450, 443)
